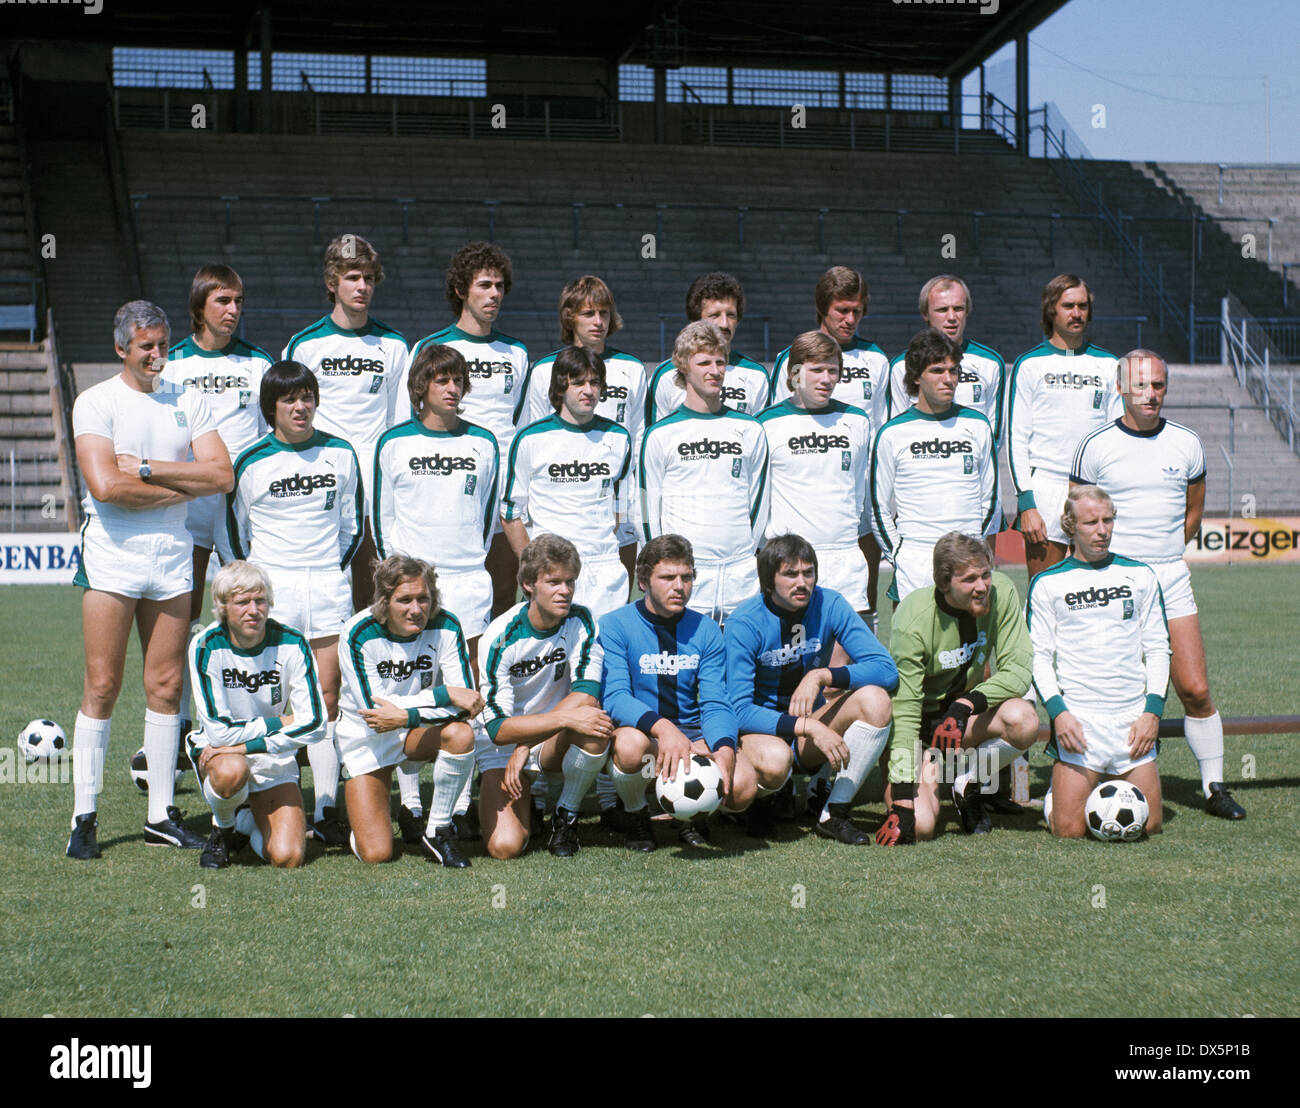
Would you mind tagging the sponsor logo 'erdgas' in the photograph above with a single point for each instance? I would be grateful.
(941, 448)
(443, 464)
(617, 392)
(401, 669)
(954, 659)
(1096, 597)
(216, 383)
(1072, 381)
(481, 367)
(577, 471)
(351, 366)
(232, 678)
(667, 664)
(707, 448)
(813, 443)
(528, 666)
(302, 484)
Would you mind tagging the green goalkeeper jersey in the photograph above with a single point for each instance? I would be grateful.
(940, 653)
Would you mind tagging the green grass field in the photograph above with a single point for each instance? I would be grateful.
(1198, 921)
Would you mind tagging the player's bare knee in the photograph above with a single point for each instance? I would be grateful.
(375, 851)
(504, 845)
(1021, 724)
(1196, 700)
(286, 855)
(593, 746)
(630, 747)
(872, 705)
(457, 738)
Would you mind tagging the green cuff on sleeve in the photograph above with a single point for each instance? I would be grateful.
(1025, 501)
(441, 697)
(412, 717)
(1055, 705)
(273, 724)
(1155, 705)
(256, 746)
(591, 688)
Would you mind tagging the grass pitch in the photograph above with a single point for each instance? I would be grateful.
(1195, 922)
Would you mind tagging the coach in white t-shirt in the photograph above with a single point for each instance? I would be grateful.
(1154, 470)
(135, 438)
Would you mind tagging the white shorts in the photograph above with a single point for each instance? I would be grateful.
(467, 594)
(1176, 586)
(205, 520)
(1050, 491)
(366, 464)
(602, 585)
(1106, 732)
(844, 569)
(913, 568)
(265, 771)
(316, 602)
(371, 751)
(488, 755)
(722, 586)
(149, 566)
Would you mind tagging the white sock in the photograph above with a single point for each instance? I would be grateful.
(162, 742)
(408, 785)
(224, 808)
(580, 769)
(89, 748)
(1205, 737)
(607, 793)
(450, 774)
(992, 756)
(466, 793)
(630, 787)
(245, 824)
(540, 789)
(1047, 806)
(865, 744)
(323, 757)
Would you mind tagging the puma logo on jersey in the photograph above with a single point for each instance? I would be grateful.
(577, 471)
(707, 448)
(955, 659)
(665, 664)
(430, 464)
(215, 383)
(816, 443)
(351, 366)
(1096, 597)
(1072, 381)
(529, 666)
(232, 678)
(302, 484)
(401, 670)
(478, 367)
(943, 448)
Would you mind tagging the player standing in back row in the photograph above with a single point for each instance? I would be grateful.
(360, 364)
(1154, 470)
(478, 279)
(1058, 392)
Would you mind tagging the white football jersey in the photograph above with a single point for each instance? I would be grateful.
(436, 494)
(570, 481)
(745, 388)
(240, 695)
(817, 472)
(412, 673)
(1147, 474)
(704, 476)
(622, 401)
(933, 474)
(1099, 634)
(1055, 398)
(528, 672)
(981, 384)
(498, 371)
(296, 505)
(161, 425)
(359, 373)
(864, 383)
(231, 381)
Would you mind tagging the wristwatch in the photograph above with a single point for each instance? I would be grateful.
(146, 471)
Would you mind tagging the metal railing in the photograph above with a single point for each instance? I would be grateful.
(1249, 350)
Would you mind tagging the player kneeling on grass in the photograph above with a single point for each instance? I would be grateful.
(1101, 664)
(789, 701)
(665, 687)
(941, 639)
(258, 701)
(541, 683)
(407, 691)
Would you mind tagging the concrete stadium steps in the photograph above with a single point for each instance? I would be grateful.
(88, 278)
(17, 265)
(30, 469)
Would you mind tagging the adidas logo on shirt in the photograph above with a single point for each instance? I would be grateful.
(302, 484)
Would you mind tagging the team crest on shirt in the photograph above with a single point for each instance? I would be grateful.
(245, 395)
(509, 383)
(329, 499)
(376, 382)
(426, 679)
(277, 694)
(967, 463)
(471, 482)
(180, 418)
(735, 468)
(846, 459)
(1096, 399)
(621, 415)
(976, 392)
(1128, 609)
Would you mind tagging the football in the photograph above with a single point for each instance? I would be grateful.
(42, 739)
(140, 766)
(696, 792)
(1116, 812)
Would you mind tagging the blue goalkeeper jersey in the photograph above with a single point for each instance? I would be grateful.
(769, 650)
(666, 668)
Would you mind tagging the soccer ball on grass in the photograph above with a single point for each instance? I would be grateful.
(42, 740)
(140, 769)
(695, 791)
(1116, 812)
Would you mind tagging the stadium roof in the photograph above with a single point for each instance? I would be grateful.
(942, 37)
